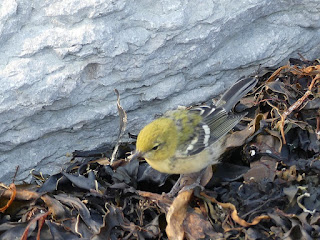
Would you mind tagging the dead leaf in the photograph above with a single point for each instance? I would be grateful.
(55, 207)
(177, 214)
(122, 128)
(238, 138)
(264, 169)
(13, 190)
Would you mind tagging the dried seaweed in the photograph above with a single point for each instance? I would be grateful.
(265, 188)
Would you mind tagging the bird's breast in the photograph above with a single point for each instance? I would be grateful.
(183, 165)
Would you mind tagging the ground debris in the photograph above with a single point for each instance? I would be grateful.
(266, 187)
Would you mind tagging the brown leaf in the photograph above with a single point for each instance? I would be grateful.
(186, 222)
(265, 168)
(238, 138)
(55, 207)
(197, 226)
(268, 144)
(13, 190)
(40, 217)
(123, 124)
(24, 195)
(177, 214)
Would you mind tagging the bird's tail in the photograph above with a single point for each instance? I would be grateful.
(236, 92)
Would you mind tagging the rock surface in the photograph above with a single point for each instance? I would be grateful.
(61, 60)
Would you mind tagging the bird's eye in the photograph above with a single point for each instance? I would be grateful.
(155, 147)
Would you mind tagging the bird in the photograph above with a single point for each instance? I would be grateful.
(187, 141)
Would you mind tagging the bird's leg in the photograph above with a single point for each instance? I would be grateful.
(191, 180)
(196, 181)
(176, 187)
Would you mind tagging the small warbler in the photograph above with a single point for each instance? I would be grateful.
(186, 141)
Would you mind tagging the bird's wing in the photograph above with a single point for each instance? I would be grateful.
(220, 123)
(216, 123)
(236, 92)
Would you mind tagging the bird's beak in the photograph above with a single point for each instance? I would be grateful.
(135, 155)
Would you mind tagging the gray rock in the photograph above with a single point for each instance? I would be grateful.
(61, 60)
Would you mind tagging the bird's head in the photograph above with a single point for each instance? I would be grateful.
(158, 140)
